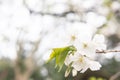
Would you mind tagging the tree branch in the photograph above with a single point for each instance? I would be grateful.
(106, 51)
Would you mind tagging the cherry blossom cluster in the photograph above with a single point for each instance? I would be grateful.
(84, 38)
(83, 58)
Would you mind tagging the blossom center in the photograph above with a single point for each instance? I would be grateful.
(73, 37)
(85, 45)
(81, 59)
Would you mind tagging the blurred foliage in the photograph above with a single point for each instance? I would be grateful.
(94, 78)
(107, 3)
(111, 67)
(53, 73)
(6, 69)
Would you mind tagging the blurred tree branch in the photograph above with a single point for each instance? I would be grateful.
(72, 10)
(26, 64)
(47, 13)
(115, 76)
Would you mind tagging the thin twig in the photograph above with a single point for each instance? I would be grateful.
(106, 51)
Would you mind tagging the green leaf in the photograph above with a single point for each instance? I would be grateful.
(59, 54)
(92, 78)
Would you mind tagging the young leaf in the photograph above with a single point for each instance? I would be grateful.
(60, 54)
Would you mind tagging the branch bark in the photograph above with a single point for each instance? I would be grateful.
(28, 62)
(106, 51)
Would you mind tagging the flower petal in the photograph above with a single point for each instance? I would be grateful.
(74, 72)
(94, 65)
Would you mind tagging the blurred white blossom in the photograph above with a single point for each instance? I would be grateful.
(95, 20)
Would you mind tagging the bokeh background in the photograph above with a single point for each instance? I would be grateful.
(29, 29)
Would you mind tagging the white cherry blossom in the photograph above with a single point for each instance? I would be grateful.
(89, 46)
(82, 63)
(75, 32)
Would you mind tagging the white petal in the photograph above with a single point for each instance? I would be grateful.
(74, 72)
(90, 50)
(77, 65)
(84, 69)
(68, 59)
(99, 38)
(94, 65)
(67, 72)
(101, 47)
(76, 56)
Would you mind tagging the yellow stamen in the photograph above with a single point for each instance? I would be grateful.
(73, 38)
(81, 59)
(85, 45)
